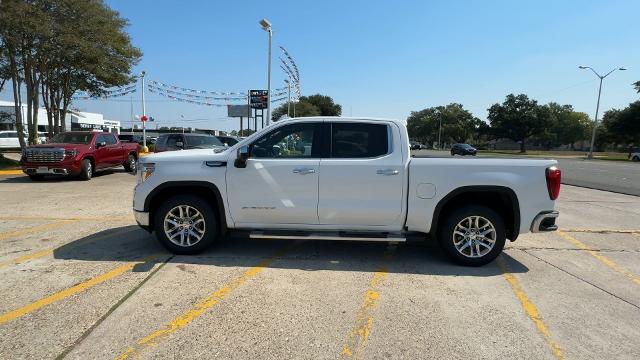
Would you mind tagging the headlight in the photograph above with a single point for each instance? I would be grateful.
(145, 170)
(71, 153)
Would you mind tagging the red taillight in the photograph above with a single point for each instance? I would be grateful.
(553, 182)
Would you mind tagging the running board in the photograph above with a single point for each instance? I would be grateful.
(296, 235)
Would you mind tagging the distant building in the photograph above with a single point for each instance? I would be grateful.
(76, 121)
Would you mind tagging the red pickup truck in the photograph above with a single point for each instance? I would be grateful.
(78, 153)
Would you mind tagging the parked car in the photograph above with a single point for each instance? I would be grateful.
(463, 149)
(9, 139)
(78, 153)
(172, 142)
(343, 179)
(130, 138)
(635, 156)
(417, 146)
(228, 140)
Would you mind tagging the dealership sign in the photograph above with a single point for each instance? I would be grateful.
(258, 99)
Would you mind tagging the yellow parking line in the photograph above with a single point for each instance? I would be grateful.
(359, 335)
(33, 229)
(603, 259)
(49, 251)
(200, 308)
(529, 308)
(11, 172)
(14, 314)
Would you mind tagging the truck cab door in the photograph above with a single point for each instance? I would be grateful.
(115, 150)
(362, 180)
(278, 183)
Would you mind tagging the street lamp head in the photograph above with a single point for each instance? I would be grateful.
(582, 67)
(142, 73)
(622, 68)
(266, 25)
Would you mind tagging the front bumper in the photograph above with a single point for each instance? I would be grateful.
(545, 221)
(142, 217)
(67, 167)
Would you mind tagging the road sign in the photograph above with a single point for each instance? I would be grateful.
(258, 99)
(238, 110)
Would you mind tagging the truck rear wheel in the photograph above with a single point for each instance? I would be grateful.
(186, 224)
(130, 165)
(473, 235)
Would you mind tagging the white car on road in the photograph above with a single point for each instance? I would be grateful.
(343, 179)
(9, 139)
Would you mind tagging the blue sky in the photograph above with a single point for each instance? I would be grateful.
(384, 58)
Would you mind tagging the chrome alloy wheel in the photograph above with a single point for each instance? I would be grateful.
(474, 236)
(184, 225)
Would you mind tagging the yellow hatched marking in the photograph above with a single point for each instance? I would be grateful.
(359, 335)
(603, 259)
(49, 251)
(34, 229)
(61, 295)
(199, 309)
(529, 308)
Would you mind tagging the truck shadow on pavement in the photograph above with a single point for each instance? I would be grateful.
(130, 243)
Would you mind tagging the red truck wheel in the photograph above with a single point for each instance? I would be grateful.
(86, 170)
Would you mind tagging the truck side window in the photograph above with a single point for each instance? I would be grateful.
(110, 139)
(358, 140)
(289, 141)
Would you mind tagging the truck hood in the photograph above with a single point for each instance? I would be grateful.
(187, 155)
(59, 145)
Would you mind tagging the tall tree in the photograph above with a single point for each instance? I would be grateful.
(90, 63)
(637, 86)
(518, 118)
(623, 126)
(314, 105)
(566, 126)
(458, 124)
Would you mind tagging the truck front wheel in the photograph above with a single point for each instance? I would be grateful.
(86, 170)
(186, 224)
(473, 235)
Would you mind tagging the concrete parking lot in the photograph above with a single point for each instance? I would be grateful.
(80, 280)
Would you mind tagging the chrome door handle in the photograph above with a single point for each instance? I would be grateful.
(387, 172)
(304, 171)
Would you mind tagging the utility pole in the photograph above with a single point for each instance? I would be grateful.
(288, 101)
(266, 26)
(440, 133)
(144, 113)
(595, 121)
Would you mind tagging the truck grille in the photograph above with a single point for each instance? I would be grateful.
(44, 155)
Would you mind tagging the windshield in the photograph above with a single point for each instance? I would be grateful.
(202, 142)
(72, 138)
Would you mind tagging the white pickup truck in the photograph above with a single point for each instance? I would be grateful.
(343, 179)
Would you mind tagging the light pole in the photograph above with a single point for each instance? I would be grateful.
(595, 121)
(266, 26)
(289, 97)
(439, 133)
(144, 112)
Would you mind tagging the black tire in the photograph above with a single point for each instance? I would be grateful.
(36, 177)
(453, 153)
(86, 170)
(448, 226)
(130, 164)
(636, 158)
(209, 236)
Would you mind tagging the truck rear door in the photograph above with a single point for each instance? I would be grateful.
(361, 182)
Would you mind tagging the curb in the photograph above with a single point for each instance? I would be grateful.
(11, 172)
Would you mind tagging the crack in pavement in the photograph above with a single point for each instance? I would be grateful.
(581, 279)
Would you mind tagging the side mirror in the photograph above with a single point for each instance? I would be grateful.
(241, 159)
(179, 144)
(101, 144)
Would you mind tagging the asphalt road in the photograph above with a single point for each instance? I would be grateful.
(80, 280)
(617, 176)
